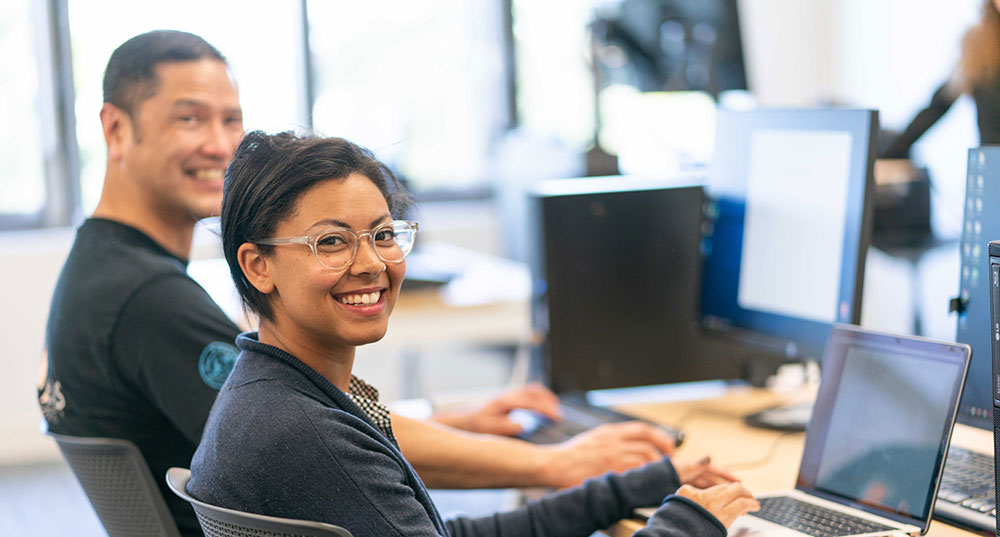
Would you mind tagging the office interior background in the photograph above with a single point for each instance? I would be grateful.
(472, 103)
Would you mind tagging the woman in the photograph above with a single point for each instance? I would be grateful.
(977, 73)
(309, 235)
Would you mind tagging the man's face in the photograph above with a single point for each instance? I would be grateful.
(182, 138)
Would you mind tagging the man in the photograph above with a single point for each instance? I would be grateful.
(138, 350)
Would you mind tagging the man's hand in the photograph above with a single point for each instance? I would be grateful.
(702, 474)
(726, 502)
(493, 417)
(612, 447)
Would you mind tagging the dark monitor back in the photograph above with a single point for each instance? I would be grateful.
(623, 268)
(981, 224)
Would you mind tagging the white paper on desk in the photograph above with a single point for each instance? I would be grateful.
(481, 278)
(486, 284)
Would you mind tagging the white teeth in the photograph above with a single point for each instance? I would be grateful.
(367, 298)
(208, 175)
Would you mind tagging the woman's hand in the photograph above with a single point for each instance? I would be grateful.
(702, 473)
(726, 502)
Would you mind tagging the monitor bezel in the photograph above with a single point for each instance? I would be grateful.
(779, 337)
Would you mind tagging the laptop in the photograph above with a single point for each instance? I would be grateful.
(876, 443)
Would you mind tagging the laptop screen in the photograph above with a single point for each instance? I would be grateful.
(882, 421)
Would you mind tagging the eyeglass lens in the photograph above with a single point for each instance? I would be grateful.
(337, 249)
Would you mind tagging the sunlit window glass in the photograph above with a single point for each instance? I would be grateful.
(260, 39)
(420, 83)
(555, 87)
(22, 158)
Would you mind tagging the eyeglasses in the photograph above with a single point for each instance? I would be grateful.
(336, 248)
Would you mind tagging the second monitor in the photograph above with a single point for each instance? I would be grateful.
(790, 229)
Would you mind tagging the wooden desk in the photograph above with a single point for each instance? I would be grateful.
(766, 460)
(421, 317)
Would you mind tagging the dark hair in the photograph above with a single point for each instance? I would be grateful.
(130, 76)
(267, 176)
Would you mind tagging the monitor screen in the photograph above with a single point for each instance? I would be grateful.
(981, 225)
(882, 419)
(789, 228)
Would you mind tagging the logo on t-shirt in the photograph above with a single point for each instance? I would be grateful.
(216, 361)
(52, 401)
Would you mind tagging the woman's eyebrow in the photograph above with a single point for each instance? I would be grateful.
(338, 223)
(330, 222)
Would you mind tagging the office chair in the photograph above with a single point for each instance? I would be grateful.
(119, 485)
(221, 522)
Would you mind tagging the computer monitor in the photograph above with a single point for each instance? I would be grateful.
(674, 45)
(980, 225)
(789, 229)
(618, 277)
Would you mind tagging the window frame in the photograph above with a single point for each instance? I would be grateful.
(62, 205)
(55, 97)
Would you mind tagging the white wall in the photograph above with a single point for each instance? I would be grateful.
(788, 51)
(29, 265)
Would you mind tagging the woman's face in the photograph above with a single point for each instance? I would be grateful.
(328, 308)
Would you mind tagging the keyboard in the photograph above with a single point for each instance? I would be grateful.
(967, 495)
(579, 416)
(813, 519)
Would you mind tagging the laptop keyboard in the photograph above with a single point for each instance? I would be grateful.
(967, 494)
(579, 416)
(812, 519)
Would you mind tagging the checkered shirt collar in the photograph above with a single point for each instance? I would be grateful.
(366, 396)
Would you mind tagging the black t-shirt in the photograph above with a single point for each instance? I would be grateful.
(136, 350)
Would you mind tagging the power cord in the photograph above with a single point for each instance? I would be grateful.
(753, 463)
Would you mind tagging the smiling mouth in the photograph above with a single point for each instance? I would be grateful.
(207, 174)
(360, 299)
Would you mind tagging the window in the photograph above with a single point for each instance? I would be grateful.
(421, 84)
(22, 155)
(425, 85)
(257, 37)
(555, 84)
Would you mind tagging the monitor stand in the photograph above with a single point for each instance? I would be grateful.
(792, 417)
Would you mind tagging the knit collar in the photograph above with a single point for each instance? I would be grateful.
(250, 342)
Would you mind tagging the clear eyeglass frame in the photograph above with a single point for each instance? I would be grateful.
(400, 228)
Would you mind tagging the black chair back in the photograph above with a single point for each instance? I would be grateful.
(119, 485)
